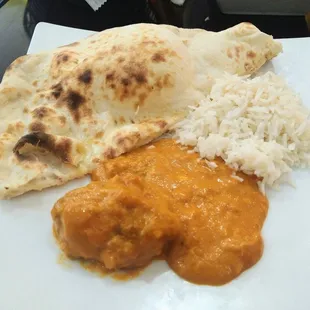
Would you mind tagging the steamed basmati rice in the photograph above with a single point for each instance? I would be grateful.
(258, 126)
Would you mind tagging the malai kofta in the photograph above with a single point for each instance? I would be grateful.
(163, 200)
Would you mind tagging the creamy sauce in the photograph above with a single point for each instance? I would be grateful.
(99, 268)
(102, 271)
(207, 223)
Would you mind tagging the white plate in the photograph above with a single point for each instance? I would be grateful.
(31, 278)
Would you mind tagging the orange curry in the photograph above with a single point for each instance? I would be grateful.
(161, 200)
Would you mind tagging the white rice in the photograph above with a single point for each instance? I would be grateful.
(211, 164)
(258, 126)
(236, 177)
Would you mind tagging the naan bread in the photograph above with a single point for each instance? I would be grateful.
(64, 110)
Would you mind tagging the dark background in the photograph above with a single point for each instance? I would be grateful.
(18, 19)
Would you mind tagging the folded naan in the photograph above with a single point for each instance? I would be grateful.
(64, 110)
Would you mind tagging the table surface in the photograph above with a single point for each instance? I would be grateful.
(18, 19)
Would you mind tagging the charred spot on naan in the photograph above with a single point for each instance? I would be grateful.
(61, 148)
(235, 52)
(158, 57)
(75, 103)
(37, 126)
(86, 77)
(121, 120)
(238, 50)
(62, 57)
(110, 153)
(251, 54)
(165, 81)
(126, 142)
(74, 100)
(163, 55)
(57, 89)
(99, 135)
(120, 59)
(149, 42)
(136, 81)
(62, 119)
(243, 29)
(42, 112)
(127, 80)
(229, 53)
(46, 119)
(135, 75)
(116, 48)
(161, 124)
(62, 63)
(123, 143)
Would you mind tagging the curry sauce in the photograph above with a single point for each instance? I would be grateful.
(163, 200)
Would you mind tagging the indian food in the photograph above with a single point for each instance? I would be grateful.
(77, 109)
(258, 126)
(63, 111)
(162, 199)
